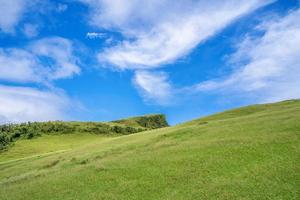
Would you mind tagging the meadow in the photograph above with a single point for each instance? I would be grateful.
(247, 153)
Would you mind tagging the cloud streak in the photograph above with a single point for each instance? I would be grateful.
(11, 14)
(94, 35)
(154, 86)
(161, 31)
(272, 69)
(60, 52)
(42, 61)
(20, 104)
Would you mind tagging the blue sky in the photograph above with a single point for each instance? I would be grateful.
(100, 60)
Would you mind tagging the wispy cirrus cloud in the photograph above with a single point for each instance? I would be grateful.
(39, 62)
(272, 63)
(265, 68)
(161, 31)
(61, 7)
(154, 86)
(94, 35)
(15, 13)
(20, 104)
(18, 65)
(30, 30)
(11, 14)
(42, 60)
(62, 62)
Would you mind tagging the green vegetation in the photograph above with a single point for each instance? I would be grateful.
(247, 153)
(12, 132)
(48, 144)
(148, 121)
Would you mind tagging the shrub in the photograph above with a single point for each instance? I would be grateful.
(5, 140)
(152, 121)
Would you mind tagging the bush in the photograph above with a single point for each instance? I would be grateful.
(5, 140)
(153, 121)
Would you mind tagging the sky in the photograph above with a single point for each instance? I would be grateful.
(101, 60)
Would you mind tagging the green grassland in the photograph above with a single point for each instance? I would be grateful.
(9, 133)
(22, 149)
(247, 153)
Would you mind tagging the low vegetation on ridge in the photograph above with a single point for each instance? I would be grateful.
(29, 130)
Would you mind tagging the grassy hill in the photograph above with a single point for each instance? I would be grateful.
(12, 132)
(247, 153)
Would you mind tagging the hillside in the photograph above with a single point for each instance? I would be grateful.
(246, 153)
(12, 132)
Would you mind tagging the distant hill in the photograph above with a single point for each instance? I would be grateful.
(12, 132)
(246, 153)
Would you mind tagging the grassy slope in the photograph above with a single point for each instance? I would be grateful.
(9, 133)
(248, 153)
(46, 144)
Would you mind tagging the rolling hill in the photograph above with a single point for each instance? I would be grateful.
(247, 153)
(11, 132)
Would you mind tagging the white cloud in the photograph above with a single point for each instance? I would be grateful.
(161, 31)
(94, 35)
(20, 104)
(42, 61)
(19, 65)
(30, 30)
(11, 12)
(154, 86)
(272, 69)
(60, 51)
(62, 7)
